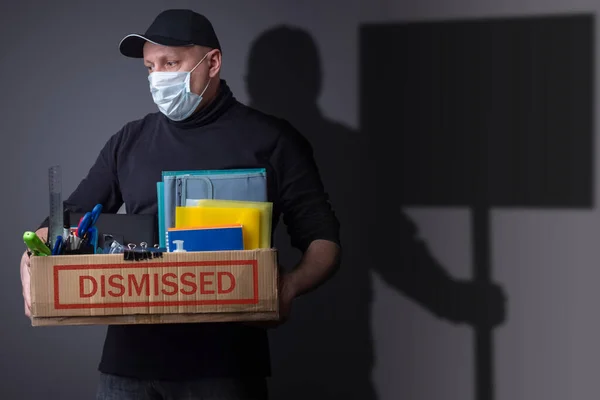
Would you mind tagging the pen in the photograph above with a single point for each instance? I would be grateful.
(57, 246)
(35, 244)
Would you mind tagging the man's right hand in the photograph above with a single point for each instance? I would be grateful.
(26, 283)
(26, 276)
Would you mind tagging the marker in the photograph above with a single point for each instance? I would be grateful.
(74, 241)
(35, 244)
(66, 224)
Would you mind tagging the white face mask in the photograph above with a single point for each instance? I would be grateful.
(171, 93)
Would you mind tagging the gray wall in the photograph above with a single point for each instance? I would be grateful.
(66, 89)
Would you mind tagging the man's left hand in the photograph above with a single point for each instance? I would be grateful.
(287, 293)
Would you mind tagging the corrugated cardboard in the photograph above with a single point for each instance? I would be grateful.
(179, 287)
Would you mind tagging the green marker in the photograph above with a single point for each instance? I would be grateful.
(35, 244)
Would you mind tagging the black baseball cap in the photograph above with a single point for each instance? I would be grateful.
(172, 28)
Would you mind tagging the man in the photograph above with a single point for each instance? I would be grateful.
(201, 126)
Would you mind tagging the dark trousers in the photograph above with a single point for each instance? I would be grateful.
(113, 387)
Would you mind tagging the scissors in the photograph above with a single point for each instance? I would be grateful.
(88, 221)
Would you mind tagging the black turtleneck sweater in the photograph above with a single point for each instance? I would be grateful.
(225, 134)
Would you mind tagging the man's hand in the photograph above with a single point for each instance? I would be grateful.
(26, 276)
(26, 283)
(319, 262)
(287, 294)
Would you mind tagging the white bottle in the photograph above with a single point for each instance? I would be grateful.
(178, 246)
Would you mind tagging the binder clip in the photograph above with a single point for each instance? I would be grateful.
(142, 254)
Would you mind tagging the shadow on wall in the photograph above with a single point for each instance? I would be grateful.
(325, 351)
(485, 113)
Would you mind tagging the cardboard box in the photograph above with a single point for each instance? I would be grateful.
(175, 288)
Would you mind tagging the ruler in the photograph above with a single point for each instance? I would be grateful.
(56, 204)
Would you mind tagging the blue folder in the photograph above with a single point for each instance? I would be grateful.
(207, 239)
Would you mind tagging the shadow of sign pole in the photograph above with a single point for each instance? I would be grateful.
(482, 114)
(482, 274)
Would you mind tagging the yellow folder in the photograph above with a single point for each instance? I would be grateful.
(201, 217)
(266, 215)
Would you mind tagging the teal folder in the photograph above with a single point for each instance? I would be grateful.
(160, 196)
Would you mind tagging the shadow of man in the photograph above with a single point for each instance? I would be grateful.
(325, 350)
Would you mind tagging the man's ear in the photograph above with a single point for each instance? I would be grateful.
(214, 59)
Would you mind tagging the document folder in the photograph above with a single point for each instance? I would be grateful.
(178, 187)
